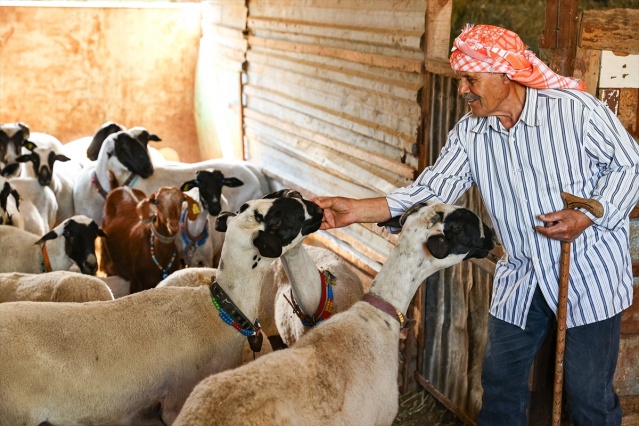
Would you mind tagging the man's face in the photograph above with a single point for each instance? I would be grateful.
(483, 91)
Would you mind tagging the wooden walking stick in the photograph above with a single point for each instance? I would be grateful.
(594, 207)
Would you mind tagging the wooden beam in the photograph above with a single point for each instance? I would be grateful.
(613, 29)
(587, 68)
(438, 19)
(560, 34)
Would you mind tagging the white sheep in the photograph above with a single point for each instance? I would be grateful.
(55, 286)
(198, 243)
(344, 370)
(134, 360)
(71, 242)
(38, 205)
(293, 278)
(255, 184)
(45, 164)
(121, 157)
(302, 277)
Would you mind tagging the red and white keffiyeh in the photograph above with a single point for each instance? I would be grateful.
(487, 48)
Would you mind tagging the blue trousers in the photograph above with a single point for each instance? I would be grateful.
(590, 359)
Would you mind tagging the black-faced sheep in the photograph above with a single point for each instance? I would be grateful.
(134, 360)
(344, 371)
(71, 242)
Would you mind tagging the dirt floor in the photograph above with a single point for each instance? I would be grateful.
(420, 408)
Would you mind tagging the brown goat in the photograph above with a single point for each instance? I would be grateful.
(141, 243)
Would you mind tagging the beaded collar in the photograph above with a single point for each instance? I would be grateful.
(166, 240)
(45, 264)
(233, 316)
(192, 242)
(96, 182)
(325, 307)
(384, 306)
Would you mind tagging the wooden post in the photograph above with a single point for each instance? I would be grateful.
(560, 35)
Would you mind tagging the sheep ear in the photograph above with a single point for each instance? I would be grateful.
(154, 137)
(277, 194)
(438, 246)
(267, 244)
(392, 222)
(9, 169)
(145, 208)
(29, 145)
(24, 158)
(26, 132)
(62, 158)
(232, 182)
(46, 237)
(188, 185)
(412, 209)
(100, 136)
(192, 208)
(101, 233)
(221, 221)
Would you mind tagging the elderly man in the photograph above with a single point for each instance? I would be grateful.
(530, 135)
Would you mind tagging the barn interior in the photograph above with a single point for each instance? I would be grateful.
(326, 97)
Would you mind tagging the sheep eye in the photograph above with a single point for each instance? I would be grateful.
(277, 225)
(259, 218)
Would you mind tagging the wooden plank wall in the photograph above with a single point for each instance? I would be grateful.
(331, 104)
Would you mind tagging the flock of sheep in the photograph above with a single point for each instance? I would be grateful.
(200, 260)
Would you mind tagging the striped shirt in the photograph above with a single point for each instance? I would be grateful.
(564, 140)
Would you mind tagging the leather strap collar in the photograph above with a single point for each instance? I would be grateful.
(384, 306)
(96, 182)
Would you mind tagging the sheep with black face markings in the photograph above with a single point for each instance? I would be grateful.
(122, 158)
(344, 371)
(70, 243)
(12, 136)
(158, 344)
(43, 159)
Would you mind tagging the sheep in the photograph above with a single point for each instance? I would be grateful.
(43, 160)
(142, 251)
(138, 132)
(199, 244)
(122, 157)
(302, 279)
(55, 286)
(296, 273)
(12, 135)
(38, 205)
(158, 344)
(9, 200)
(255, 184)
(71, 242)
(344, 370)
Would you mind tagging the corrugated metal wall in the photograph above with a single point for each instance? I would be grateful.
(330, 103)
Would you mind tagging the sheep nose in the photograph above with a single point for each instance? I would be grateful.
(89, 266)
(173, 226)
